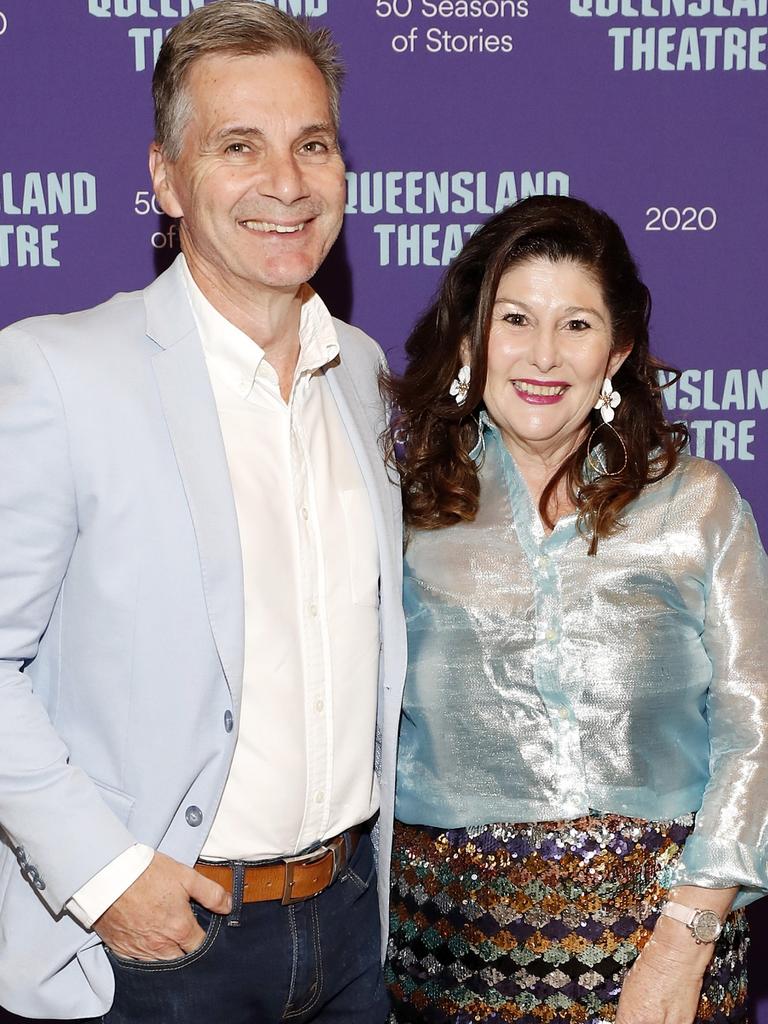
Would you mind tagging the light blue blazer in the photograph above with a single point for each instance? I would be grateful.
(121, 615)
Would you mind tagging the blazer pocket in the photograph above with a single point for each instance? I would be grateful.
(362, 547)
(120, 803)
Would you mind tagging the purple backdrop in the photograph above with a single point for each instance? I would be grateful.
(653, 109)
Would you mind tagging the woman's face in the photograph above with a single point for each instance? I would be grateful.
(549, 350)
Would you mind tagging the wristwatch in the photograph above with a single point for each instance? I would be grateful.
(705, 925)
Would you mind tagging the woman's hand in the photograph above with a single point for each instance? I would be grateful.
(664, 984)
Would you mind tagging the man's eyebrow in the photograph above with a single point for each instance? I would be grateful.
(321, 128)
(250, 132)
(241, 131)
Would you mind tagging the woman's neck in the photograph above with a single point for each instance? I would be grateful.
(537, 464)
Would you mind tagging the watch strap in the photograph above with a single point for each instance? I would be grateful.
(679, 912)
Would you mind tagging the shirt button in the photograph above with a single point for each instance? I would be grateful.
(564, 713)
(313, 610)
(319, 797)
(319, 706)
(228, 720)
(551, 635)
(305, 513)
(194, 816)
(542, 562)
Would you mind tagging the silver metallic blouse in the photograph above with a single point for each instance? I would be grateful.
(544, 684)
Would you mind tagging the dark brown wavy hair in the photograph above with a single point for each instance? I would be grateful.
(440, 482)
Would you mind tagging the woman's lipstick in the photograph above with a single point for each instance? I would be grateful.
(540, 392)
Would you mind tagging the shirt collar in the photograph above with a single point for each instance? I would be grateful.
(484, 424)
(241, 360)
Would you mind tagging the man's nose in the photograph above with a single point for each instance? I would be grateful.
(282, 178)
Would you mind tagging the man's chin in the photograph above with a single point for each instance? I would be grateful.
(287, 275)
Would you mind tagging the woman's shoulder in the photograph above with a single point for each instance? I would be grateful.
(694, 472)
(701, 492)
(697, 474)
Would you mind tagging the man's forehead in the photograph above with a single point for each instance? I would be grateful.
(249, 67)
(275, 83)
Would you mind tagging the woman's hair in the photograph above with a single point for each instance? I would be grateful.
(440, 482)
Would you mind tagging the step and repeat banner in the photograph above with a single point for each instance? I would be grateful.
(655, 110)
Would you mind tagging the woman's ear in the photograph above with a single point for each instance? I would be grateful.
(616, 360)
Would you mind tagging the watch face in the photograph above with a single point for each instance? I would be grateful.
(706, 926)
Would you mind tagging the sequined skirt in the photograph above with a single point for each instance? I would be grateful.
(538, 923)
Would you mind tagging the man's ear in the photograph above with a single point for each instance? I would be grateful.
(160, 170)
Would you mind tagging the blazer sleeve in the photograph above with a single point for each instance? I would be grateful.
(60, 829)
(729, 845)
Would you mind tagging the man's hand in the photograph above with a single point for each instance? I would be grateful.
(153, 920)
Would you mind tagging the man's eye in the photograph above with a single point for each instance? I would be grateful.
(237, 148)
(315, 147)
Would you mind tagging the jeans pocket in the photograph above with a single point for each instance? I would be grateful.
(211, 931)
(361, 870)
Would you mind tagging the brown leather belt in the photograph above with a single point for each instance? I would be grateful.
(292, 879)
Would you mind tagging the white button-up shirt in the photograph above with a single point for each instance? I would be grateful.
(303, 764)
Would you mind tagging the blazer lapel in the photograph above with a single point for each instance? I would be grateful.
(363, 435)
(193, 424)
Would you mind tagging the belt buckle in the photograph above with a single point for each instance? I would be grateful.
(307, 858)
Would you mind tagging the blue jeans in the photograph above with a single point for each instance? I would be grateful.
(266, 963)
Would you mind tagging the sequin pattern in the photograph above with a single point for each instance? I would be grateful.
(534, 923)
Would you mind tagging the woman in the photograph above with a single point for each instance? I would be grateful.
(582, 786)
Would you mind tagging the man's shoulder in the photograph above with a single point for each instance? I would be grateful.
(118, 317)
(358, 348)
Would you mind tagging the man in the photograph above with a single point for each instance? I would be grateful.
(200, 586)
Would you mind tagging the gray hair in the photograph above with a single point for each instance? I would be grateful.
(238, 28)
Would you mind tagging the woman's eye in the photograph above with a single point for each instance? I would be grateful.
(577, 325)
(515, 319)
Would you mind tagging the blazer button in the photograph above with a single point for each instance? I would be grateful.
(194, 816)
(228, 720)
(32, 875)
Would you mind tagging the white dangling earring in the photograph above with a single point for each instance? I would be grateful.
(607, 401)
(460, 385)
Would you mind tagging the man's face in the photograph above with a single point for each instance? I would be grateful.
(259, 183)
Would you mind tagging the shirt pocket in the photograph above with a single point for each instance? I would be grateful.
(361, 547)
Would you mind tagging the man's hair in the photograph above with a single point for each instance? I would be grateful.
(236, 28)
